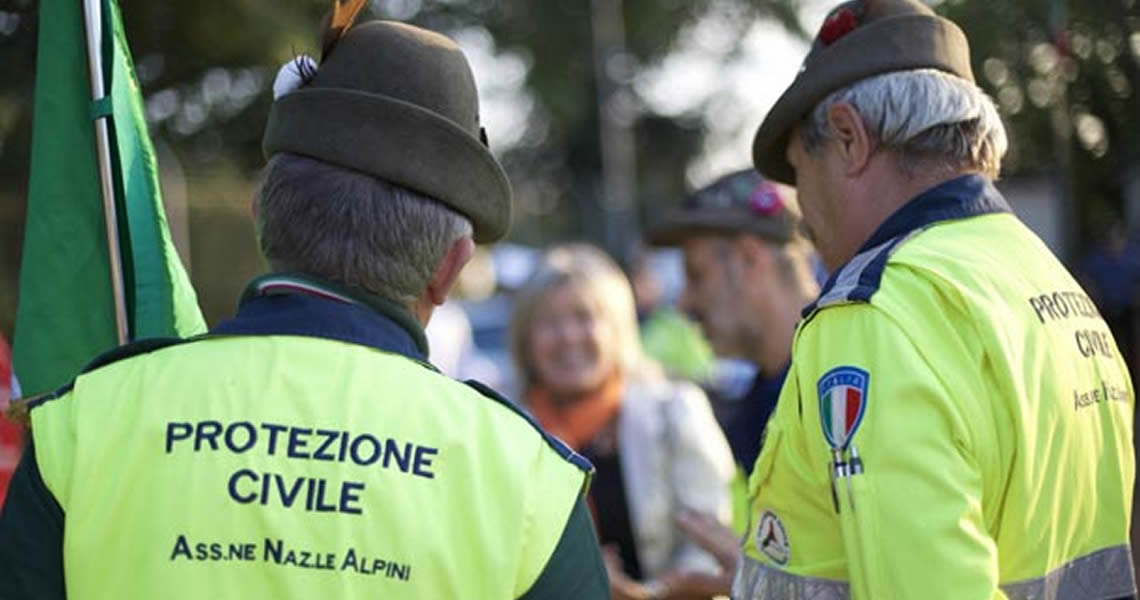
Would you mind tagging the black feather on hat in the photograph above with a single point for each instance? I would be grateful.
(399, 103)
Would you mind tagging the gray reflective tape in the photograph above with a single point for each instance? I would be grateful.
(1102, 575)
(849, 276)
(757, 581)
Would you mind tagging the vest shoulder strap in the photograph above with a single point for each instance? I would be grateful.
(556, 444)
(114, 355)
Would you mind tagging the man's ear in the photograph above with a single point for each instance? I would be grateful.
(447, 273)
(854, 143)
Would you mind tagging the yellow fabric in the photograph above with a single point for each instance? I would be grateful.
(678, 344)
(474, 510)
(981, 466)
(741, 510)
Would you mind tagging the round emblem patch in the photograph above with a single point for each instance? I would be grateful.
(772, 539)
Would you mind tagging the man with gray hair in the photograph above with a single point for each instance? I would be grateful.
(957, 420)
(306, 448)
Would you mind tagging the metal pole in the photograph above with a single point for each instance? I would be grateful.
(93, 27)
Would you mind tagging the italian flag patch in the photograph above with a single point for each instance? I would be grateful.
(842, 401)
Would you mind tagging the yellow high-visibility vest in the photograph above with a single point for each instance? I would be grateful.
(956, 423)
(294, 466)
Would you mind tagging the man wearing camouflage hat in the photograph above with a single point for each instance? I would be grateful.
(957, 420)
(305, 448)
(748, 273)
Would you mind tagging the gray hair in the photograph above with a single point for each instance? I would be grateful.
(352, 228)
(925, 116)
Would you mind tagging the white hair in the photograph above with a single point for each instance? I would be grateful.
(925, 116)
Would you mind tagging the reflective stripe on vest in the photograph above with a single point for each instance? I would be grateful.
(1103, 574)
(758, 581)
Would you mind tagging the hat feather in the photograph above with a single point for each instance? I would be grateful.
(343, 14)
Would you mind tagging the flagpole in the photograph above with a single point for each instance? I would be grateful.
(93, 27)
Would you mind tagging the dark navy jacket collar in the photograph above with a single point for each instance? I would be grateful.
(292, 304)
(745, 430)
(958, 198)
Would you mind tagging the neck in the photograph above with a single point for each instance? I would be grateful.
(305, 284)
(775, 349)
(881, 191)
(422, 310)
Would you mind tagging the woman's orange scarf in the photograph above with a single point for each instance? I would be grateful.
(578, 421)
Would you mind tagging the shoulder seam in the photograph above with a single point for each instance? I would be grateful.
(132, 349)
(114, 355)
(860, 279)
(556, 444)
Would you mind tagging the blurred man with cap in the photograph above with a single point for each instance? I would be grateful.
(957, 420)
(748, 274)
(305, 448)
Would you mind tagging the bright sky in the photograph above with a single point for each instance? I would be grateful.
(737, 91)
(734, 92)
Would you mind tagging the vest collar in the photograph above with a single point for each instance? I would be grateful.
(297, 304)
(959, 198)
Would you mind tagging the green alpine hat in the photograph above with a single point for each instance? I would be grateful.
(399, 103)
(858, 40)
(740, 202)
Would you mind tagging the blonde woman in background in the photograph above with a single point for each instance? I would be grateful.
(655, 443)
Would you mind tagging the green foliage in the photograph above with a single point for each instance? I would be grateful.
(207, 66)
(556, 167)
(1064, 73)
(1066, 78)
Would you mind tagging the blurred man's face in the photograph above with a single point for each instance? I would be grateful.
(726, 294)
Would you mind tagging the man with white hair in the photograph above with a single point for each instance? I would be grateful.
(305, 448)
(957, 420)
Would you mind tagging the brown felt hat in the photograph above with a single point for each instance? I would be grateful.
(741, 202)
(399, 103)
(858, 40)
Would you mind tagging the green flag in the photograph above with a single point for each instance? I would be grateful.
(66, 313)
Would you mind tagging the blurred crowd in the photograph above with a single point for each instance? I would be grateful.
(663, 373)
(1110, 272)
(661, 367)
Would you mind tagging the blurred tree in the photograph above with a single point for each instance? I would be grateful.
(206, 67)
(556, 165)
(1066, 77)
